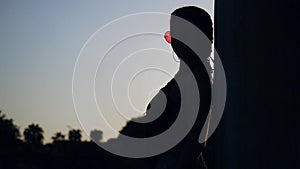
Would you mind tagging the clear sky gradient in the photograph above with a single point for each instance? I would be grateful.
(39, 44)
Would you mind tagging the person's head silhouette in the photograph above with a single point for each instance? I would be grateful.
(184, 22)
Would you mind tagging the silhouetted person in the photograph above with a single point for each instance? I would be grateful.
(184, 155)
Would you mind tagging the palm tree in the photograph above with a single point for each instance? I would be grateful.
(33, 134)
(58, 136)
(96, 135)
(9, 132)
(75, 135)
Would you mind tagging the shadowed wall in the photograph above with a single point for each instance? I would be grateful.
(257, 42)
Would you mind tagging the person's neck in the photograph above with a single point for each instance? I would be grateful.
(195, 64)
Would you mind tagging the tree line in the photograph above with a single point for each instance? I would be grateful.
(34, 133)
(27, 150)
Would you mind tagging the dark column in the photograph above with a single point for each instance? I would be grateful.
(258, 42)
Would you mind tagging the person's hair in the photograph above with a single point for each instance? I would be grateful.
(197, 16)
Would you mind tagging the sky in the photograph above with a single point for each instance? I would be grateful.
(41, 42)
